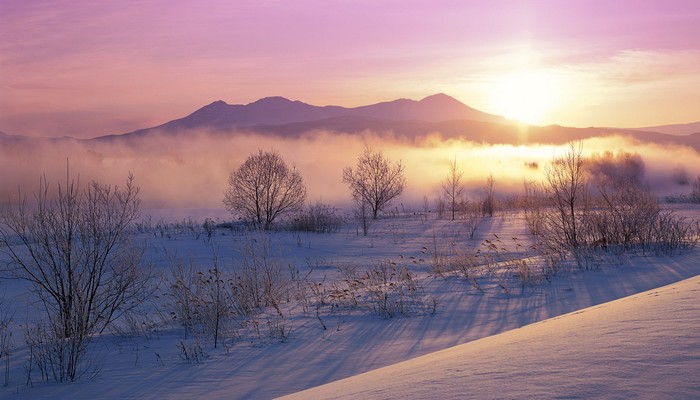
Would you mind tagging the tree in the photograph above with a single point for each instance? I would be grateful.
(375, 181)
(489, 202)
(565, 187)
(75, 251)
(452, 186)
(263, 188)
(5, 337)
(695, 193)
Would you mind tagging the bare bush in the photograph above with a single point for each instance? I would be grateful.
(439, 256)
(534, 204)
(191, 351)
(512, 264)
(200, 300)
(318, 218)
(629, 218)
(467, 265)
(75, 250)
(385, 289)
(392, 290)
(670, 233)
(260, 279)
(183, 293)
(471, 216)
(219, 303)
(440, 206)
(623, 217)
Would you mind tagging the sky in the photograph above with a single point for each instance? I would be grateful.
(85, 69)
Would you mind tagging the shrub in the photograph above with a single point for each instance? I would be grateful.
(318, 218)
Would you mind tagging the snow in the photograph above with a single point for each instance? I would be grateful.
(147, 365)
(642, 346)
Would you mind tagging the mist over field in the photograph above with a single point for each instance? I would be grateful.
(191, 171)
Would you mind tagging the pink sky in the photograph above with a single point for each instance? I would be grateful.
(84, 68)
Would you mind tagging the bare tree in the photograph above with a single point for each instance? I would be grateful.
(5, 337)
(452, 186)
(361, 215)
(695, 193)
(263, 188)
(565, 187)
(74, 249)
(488, 205)
(375, 181)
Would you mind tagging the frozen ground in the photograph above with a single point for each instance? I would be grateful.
(148, 364)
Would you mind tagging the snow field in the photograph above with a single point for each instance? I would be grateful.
(147, 364)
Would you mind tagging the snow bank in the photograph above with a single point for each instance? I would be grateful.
(643, 346)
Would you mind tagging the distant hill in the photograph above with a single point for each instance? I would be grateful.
(675, 129)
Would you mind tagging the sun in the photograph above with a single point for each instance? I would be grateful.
(527, 96)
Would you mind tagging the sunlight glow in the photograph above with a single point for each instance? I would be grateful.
(528, 96)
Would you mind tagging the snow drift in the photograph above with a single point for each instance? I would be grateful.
(643, 346)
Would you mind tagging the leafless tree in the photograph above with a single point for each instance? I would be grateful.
(5, 337)
(375, 180)
(263, 188)
(452, 186)
(361, 214)
(74, 249)
(565, 187)
(695, 193)
(489, 202)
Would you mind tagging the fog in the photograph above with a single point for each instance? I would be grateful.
(190, 171)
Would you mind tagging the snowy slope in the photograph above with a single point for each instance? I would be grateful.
(642, 346)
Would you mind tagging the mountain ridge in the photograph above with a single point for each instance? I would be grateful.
(403, 119)
(277, 110)
(674, 129)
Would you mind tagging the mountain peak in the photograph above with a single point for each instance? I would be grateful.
(274, 101)
(438, 97)
(443, 100)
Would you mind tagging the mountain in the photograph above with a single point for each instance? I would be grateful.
(402, 119)
(675, 129)
(276, 111)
